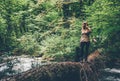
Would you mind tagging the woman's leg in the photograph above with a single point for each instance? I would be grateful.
(82, 45)
(87, 44)
(77, 54)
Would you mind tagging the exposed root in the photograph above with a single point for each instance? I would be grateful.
(88, 72)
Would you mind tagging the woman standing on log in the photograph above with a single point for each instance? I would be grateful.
(84, 41)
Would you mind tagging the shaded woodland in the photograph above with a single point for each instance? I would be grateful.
(51, 28)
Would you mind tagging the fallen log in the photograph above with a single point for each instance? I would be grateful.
(63, 71)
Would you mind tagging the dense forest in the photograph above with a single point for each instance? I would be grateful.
(51, 28)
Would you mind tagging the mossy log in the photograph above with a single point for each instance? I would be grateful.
(63, 71)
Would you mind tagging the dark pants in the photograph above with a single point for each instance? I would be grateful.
(84, 50)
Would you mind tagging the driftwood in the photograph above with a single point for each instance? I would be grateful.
(63, 71)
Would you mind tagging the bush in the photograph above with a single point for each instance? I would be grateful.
(27, 45)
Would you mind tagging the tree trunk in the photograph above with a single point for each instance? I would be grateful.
(64, 71)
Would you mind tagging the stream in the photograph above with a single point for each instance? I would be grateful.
(111, 74)
(18, 64)
(21, 64)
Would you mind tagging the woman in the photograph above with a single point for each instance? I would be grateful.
(84, 41)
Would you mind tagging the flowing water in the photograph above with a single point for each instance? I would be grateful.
(21, 64)
(111, 74)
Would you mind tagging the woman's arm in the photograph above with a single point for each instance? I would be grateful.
(89, 29)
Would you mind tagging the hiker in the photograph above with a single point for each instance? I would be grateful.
(84, 41)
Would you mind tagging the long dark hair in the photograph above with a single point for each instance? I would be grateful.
(84, 25)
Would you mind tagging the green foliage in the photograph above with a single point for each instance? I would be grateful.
(2, 27)
(60, 46)
(30, 27)
(104, 18)
(51, 16)
(27, 45)
(8, 10)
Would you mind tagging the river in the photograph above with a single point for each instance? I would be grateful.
(111, 74)
(23, 63)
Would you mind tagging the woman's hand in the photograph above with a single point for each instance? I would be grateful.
(94, 40)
